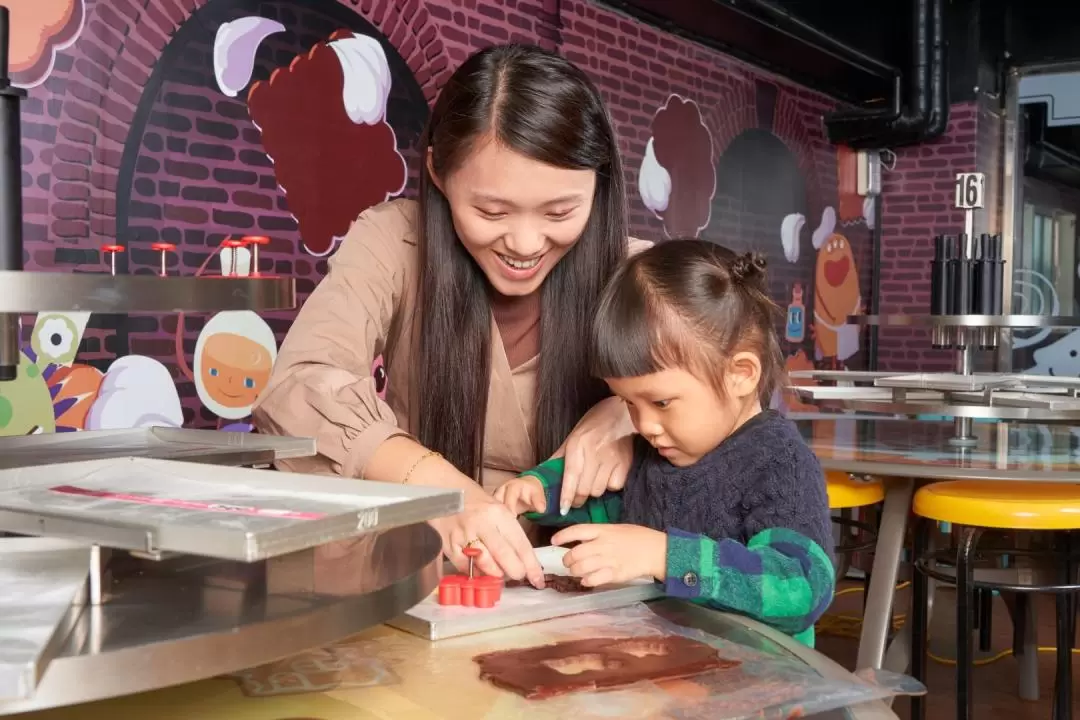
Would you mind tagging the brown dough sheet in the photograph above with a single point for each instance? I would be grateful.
(558, 583)
(598, 664)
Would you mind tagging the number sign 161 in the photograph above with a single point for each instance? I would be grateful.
(970, 190)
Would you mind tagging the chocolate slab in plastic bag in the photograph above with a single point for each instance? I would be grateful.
(762, 686)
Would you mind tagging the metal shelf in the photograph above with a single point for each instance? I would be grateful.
(194, 446)
(188, 619)
(33, 292)
(966, 321)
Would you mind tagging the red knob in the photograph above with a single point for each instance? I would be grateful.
(256, 240)
(471, 551)
(233, 243)
(163, 247)
(112, 248)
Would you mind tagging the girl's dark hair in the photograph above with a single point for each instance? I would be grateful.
(692, 305)
(540, 105)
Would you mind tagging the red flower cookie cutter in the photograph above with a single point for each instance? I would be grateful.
(469, 590)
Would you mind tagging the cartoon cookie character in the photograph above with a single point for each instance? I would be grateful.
(836, 292)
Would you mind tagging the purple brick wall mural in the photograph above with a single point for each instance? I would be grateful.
(197, 122)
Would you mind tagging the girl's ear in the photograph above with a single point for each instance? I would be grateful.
(743, 375)
(431, 171)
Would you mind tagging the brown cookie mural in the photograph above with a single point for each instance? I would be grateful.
(677, 178)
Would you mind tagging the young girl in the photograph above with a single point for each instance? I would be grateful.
(724, 503)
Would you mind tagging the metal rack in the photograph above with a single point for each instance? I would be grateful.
(963, 395)
(149, 571)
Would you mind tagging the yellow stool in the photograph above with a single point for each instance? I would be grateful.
(846, 494)
(978, 506)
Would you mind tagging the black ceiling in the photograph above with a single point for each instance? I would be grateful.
(849, 48)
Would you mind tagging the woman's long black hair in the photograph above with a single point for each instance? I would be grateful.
(540, 105)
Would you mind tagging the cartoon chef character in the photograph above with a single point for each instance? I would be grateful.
(836, 292)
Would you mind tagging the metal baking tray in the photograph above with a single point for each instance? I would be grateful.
(818, 392)
(1047, 381)
(162, 506)
(948, 382)
(839, 376)
(521, 605)
(42, 585)
(202, 446)
(1013, 399)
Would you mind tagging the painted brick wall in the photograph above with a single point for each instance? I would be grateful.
(201, 173)
(918, 204)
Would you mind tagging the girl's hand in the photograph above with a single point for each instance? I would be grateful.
(613, 553)
(598, 454)
(522, 495)
(489, 525)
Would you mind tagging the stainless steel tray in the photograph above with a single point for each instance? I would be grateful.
(202, 446)
(520, 605)
(42, 583)
(230, 513)
(1011, 399)
(840, 376)
(830, 392)
(948, 382)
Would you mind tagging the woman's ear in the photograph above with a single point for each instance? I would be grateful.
(431, 171)
(743, 375)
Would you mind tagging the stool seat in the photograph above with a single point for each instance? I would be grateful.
(847, 492)
(1001, 505)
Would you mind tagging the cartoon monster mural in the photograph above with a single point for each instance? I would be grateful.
(343, 85)
(53, 393)
(677, 179)
(39, 30)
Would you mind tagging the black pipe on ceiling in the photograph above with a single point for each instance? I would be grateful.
(919, 114)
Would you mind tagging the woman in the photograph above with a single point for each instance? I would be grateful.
(479, 298)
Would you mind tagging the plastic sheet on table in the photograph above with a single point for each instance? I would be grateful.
(762, 687)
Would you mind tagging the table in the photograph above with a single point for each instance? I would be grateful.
(425, 689)
(901, 451)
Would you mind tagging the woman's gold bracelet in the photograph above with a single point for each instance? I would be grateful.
(422, 458)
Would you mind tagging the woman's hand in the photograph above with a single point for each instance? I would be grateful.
(488, 524)
(598, 454)
(522, 495)
(613, 553)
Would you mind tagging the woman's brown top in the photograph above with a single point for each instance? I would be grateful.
(322, 384)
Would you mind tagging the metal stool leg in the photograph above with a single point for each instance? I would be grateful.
(965, 602)
(919, 599)
(986, 611)
(1063, 679)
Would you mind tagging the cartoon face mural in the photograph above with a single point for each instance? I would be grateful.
(40, 29)
(343, 85)
(677, 179)
(233, 358)
(1060, 358)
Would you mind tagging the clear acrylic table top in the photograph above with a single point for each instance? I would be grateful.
(922, 449)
